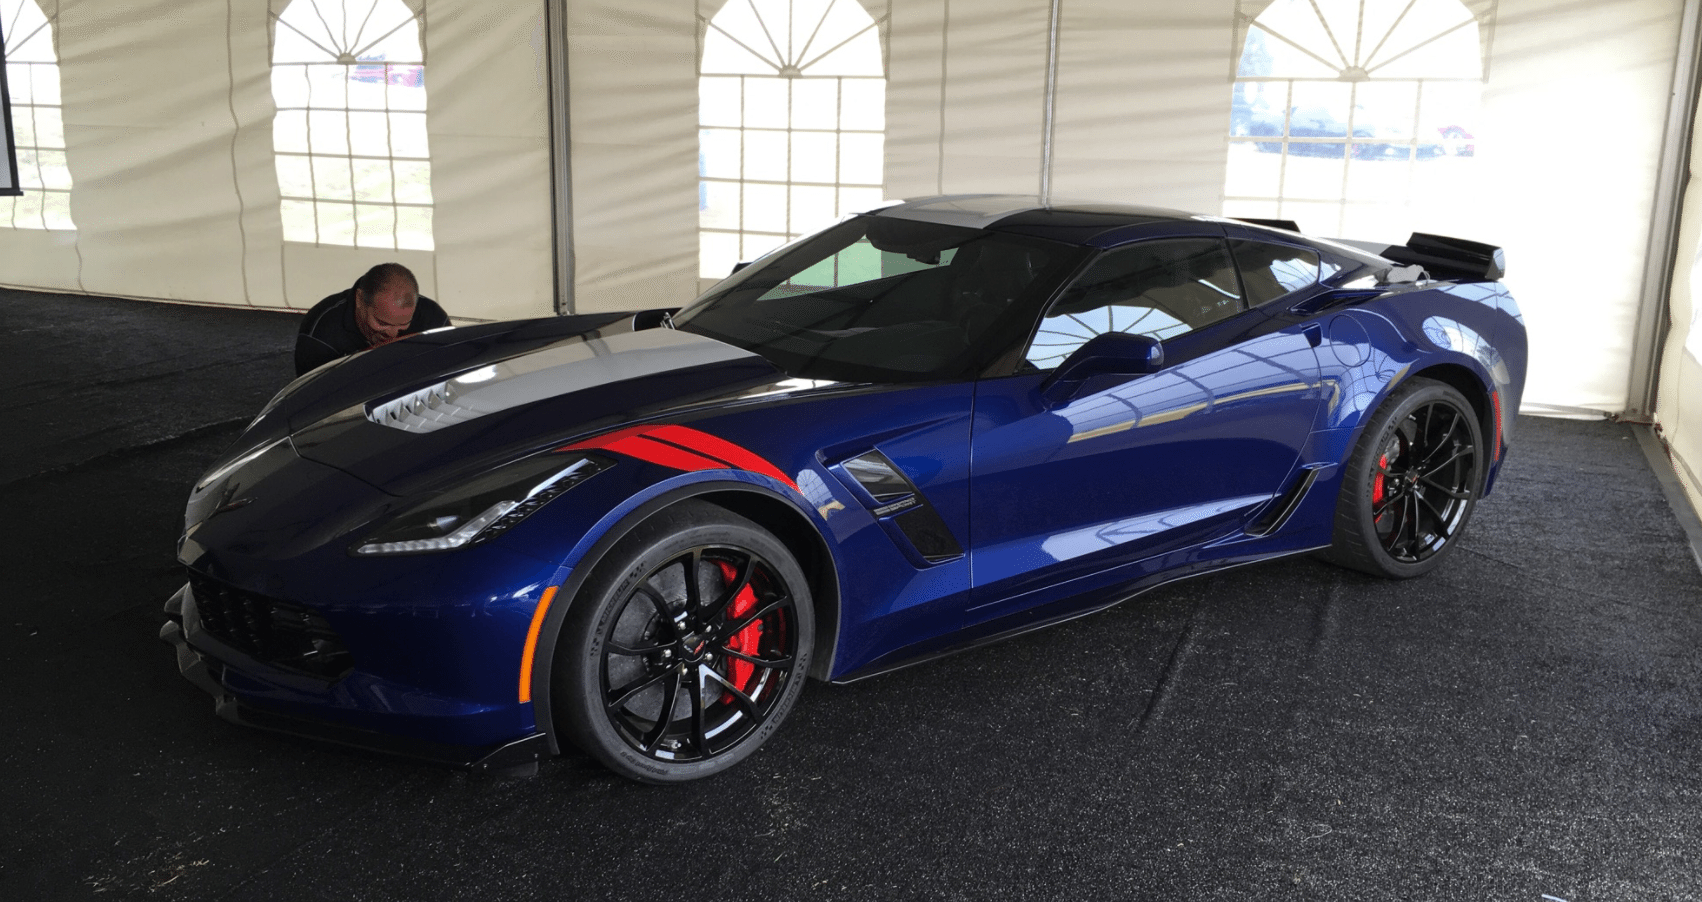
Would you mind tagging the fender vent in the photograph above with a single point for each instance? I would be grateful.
(1283, 506)
(902, 508)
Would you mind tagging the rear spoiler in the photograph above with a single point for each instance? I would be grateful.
(1453, 259)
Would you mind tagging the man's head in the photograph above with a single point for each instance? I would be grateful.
(384, 302)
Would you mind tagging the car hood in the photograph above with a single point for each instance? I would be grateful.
(458, 404)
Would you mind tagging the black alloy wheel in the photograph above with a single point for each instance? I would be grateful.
(1411, 482)
(687, 648)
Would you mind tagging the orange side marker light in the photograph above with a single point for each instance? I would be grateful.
(532, 643)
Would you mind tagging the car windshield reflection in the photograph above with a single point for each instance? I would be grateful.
(885, 300)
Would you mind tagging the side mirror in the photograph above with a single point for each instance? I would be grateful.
(1108, 354)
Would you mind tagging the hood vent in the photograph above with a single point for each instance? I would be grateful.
(426, 410)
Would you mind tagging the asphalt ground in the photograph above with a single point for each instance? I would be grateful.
(1523, 724)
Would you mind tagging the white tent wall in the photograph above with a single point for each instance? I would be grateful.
(168, 130)
(632, 76)
(490, 155)
(965, 97)
(1575, 105)
(1139, 112)
(1143, 101)
(1678, 406)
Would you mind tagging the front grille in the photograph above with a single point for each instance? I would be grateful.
(276, 632)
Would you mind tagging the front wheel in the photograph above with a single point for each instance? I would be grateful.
(1410, 484)
(687, 647)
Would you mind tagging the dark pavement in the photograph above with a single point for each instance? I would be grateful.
(1525, 723)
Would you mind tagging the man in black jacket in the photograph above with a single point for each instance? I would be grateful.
(384, 305)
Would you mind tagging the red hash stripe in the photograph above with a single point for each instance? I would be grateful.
(645, 448)
(682, 449)
(604, 440)
(721, 449)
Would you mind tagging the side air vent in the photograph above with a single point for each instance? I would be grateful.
(1283, 506)
(877, 475)
(903, 509)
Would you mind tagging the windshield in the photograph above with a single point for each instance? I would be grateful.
(881, 299)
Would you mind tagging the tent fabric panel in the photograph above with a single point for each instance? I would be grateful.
(1678, 409)
(915, 122)
(500, 267)
(995, 97)
(1142, 107)
(491, 161)
(1678, 400)
(979, 111)
(1574, 106)
(40, 260)
(155, 200)
(632, 75)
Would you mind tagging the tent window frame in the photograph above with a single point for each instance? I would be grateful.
(44, 171)
(1357, 61)
(747, 207)
(355, 173)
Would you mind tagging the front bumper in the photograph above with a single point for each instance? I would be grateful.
(205, 662)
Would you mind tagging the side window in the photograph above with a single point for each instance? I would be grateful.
(1271, 271)
(1161, 288)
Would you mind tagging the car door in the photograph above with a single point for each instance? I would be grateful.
(1291, 283)
(1073, 493)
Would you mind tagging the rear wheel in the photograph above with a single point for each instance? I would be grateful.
(687, 647)
(1411, 482)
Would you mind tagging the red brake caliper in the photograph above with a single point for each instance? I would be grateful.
(745, 641)
(1376, 483)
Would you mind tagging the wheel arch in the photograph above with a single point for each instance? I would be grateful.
(764, 507)
(1357, 542)
(1478, 393)
(800, 536)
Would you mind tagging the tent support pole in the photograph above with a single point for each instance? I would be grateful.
(1050, 111)
(1660, 264)
(561, 162)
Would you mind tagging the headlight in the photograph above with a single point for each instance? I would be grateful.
(483, 508)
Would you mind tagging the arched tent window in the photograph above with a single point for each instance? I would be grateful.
(32, 74)
(348, 78)
(1348, 113)
(792, 115)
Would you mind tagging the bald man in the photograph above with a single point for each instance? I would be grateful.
(383, 305)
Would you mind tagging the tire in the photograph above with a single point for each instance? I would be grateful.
(666, 679)
(1410, 484)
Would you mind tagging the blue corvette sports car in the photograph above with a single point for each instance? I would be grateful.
(934, 425)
